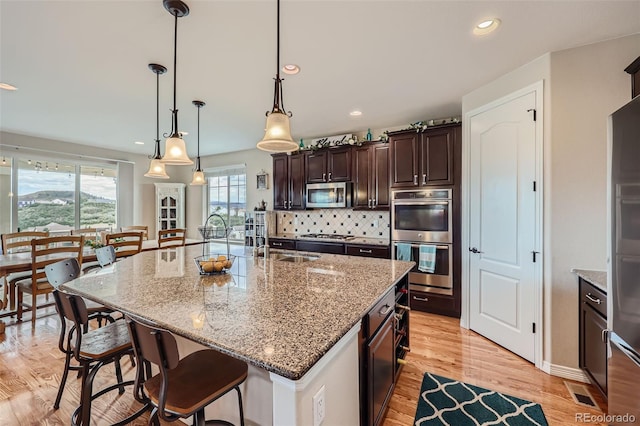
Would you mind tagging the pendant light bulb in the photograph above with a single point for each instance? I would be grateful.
(277, 134)
(156, 168)
(198, 174)
(175, 149)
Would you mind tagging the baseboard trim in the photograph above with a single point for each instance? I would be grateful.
(565, 372)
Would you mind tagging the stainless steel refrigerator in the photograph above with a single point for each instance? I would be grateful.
(623, 381)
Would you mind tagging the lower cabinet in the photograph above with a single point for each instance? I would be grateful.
(284, 244)
(593, 324)
(320, 247)
(380, 375)
(381, 252)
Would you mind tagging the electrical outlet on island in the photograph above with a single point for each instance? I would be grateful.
(319, 407)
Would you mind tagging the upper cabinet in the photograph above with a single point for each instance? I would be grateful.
(332, 165)
(288, 181)
(423, 158)
(371, 176)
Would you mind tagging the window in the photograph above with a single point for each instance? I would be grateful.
(58, 196)
(228, 198)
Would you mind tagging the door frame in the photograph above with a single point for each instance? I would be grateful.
(538, 89)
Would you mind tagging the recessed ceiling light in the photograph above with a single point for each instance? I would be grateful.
(7, 86)
(486, 26)
(139, 143)
(355, 113)
(291, 69)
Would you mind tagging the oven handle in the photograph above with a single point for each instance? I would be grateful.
(420, 203)
(439, 247)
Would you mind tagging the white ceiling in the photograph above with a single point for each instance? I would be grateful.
(81, 66)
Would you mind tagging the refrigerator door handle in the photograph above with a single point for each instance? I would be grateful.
(628, 352)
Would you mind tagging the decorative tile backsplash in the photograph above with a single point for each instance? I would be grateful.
(334, 221)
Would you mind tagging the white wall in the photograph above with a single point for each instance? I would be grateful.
(582, 86)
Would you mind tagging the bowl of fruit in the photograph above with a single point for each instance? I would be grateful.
(214, 264)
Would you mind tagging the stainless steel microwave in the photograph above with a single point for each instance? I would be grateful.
(331, 195)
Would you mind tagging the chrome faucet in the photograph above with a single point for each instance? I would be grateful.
(265, 246)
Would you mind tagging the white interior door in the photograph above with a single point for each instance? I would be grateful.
(502, 219)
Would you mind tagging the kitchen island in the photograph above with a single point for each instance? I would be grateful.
(295, 323)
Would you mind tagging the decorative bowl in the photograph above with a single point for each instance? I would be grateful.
(214, 264)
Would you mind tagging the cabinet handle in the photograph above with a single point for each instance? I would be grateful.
(422, 299)
(324, 177)
(277, 244)
(369, 205)
(385, 310)
(424, 179)
(415, 179)
(329, 176)
(365, 251)
(593, 299)
(373, 204)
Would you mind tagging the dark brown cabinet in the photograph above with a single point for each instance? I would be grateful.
(634, 70)
(381, 252)
(423, 158)
(593, 326)
(281, 243)
(320, 247)
(371, 177)
(332, 165)
(381, 373)
(288, 181)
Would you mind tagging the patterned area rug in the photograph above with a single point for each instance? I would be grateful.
(452, 403)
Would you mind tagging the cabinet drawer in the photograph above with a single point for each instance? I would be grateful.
(381, 252)
(282, 244)
(380, 312)
(593, 296)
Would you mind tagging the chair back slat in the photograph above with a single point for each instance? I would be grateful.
(20, 241)
(106, 255)
(125, 243)
(72, 307)
(153, 344)
(171, 237)
(61, 272)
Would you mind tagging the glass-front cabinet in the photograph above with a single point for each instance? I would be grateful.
(169, 205)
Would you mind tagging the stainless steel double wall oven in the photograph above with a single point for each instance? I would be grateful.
(424, 216)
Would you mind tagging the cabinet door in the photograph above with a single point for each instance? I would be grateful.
(280, 182)
(382, 359)
(593, 350)
(380, 177)
(297, 182)
(316, 167)
(404, 160)
(436, 157)
(339, 165)
(362, 161)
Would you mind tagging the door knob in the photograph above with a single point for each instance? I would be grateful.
(474, 250)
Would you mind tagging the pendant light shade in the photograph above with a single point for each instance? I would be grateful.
(198, 174)
(175, 149)
(277, 135)
(156, 168)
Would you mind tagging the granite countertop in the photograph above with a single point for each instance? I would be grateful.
(280, 316)
(355, 240)
(597, 278)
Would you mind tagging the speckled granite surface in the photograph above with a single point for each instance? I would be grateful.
(356, 240)
(597, 278)
(280, 316)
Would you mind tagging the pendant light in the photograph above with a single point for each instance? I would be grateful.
(277, 135)
(175, 149)
(198, 174)
(156, 168)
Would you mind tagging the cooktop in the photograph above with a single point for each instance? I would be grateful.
(329, 236)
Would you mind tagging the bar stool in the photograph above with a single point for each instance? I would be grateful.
(92, 350)
(184, 387)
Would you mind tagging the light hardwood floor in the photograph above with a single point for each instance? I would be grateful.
(440, 346)
(31, 365)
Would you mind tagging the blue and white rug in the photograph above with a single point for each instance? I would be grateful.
(449, 402)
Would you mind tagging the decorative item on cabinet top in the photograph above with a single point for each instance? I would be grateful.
(421, 126)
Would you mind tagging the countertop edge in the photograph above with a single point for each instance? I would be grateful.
(596, 277)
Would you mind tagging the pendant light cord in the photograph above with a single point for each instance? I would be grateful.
(198, 136)
(157, 154)
(174, 123)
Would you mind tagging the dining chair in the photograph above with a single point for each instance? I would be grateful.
(85, 231)
(106, 255)
(57, 274)
(125, 243)
(171, 237)
(139, 228)
(92, 349)
(45, 251)
(12, 243)
(183, 387)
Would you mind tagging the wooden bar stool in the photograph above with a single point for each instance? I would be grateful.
(93, 350)
(184, 387)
